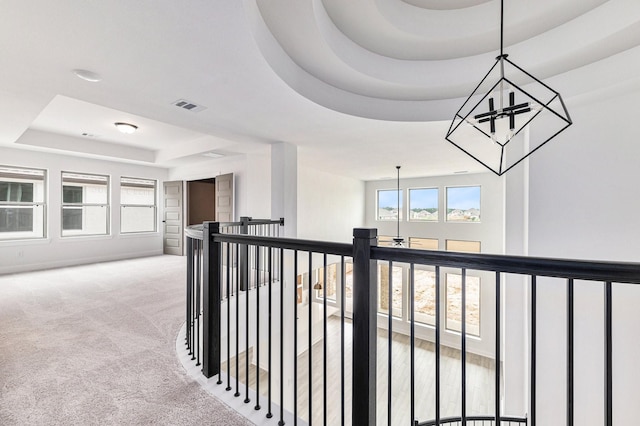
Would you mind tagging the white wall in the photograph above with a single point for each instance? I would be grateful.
(258, 184)
(329, 206)
(515, 331)
(584, 204)
(55, 251)
(284, 186)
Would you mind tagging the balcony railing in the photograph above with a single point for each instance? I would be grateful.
(198, 270)
(241, 328)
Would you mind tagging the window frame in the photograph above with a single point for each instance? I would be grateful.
(78, 176)
(398, 312)
(450, 323)
(446, 204)
(20, 175)
(154, 206)
(72, 207)
(417, 241)
(462, 242)
(409, 209)
(400, 208)
(385, 240)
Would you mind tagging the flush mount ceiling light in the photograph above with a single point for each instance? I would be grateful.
(126, 128)
(87, 75)
(491, 124)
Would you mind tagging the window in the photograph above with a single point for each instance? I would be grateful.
(71, 194)
(137, 205)
(463, 204)
(385, 241)
(423, 243)
(332, 281)
(466, 246)
(388, 205)
(424, 283)
(383, 289)
(454, 303)
(16, 218)
(348, 286)
(72, 216)
(22, 206)
(423, 205)
(85, 204)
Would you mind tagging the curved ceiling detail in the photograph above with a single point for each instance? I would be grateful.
(446, 34)
(412, 60)
(445, 4)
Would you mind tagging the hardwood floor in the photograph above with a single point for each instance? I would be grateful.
(480, 380)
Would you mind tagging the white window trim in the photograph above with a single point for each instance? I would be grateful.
(401, 209)
(437, 189)
(107, 205)
(446, 203)
(156, 229)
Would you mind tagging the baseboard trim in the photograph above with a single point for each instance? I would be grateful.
(30, 267)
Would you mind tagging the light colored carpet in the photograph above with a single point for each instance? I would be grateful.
(95, 345)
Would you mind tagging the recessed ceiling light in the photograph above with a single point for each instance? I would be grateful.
(126, 127)
(87, 75)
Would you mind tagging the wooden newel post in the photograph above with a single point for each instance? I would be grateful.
(212, 296)
(365, 312)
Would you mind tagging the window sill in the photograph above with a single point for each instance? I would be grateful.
(72, 238)
(25, 242)
(155, 234)
(462, 221)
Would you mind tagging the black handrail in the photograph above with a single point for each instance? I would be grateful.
(503, 419)
(619, 272)
(195, 231)
(365, 255)
(339, 249)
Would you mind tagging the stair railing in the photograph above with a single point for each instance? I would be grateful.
(286, 258)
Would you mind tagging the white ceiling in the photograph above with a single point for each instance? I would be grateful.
(360, 85)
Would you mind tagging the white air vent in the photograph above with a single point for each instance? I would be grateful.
(188, 105)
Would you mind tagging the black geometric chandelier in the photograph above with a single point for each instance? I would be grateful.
(492, 126)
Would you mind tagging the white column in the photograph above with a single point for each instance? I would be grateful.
(515, 292)
(284, 185)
